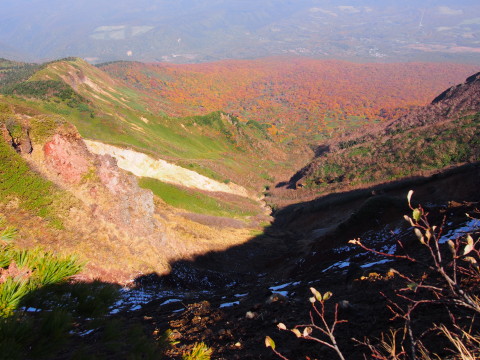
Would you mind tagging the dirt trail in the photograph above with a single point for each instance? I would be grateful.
(143, 165)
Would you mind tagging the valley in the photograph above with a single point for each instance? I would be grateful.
(202, 202)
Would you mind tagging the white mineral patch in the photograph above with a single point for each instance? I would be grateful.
(143, 165)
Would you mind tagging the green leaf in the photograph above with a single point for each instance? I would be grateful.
(327, 295)
(416, 215)
(412, 286)
(315, 293)
(269, 342)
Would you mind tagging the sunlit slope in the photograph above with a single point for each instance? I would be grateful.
(217, 145)
(445, 133)
(68, 200)
(297, 98)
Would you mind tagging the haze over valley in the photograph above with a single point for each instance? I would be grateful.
(189, 31)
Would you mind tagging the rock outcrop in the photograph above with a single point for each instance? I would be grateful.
(111, 193)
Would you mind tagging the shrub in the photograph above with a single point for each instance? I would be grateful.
(449, 282)
(26, 270)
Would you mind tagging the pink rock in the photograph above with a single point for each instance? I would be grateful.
(69, 159)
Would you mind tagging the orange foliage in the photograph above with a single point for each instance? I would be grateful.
(289, 92)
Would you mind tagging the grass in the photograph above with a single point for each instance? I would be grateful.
(200, 351)
(191, 200)
(120, 115)
(18, 181)
(33, 278)
(30, 270)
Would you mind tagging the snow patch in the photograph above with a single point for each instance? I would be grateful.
(370, 264)
(240, 295)
(338, 265)
(466, 228)
(169, 301)
(229, 304)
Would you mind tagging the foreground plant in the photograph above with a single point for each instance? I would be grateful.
(25, 271)
(318, 322)
(200, 351)
(446, 277)
(446, 281)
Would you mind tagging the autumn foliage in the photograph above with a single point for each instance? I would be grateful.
(293, 95)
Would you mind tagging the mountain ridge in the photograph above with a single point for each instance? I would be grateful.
(428, 139)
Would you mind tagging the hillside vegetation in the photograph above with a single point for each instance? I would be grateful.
(426, 140)
(211, 273)
(217, 144)
(295, 98)
(398, 156)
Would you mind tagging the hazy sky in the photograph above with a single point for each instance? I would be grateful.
(201, 30)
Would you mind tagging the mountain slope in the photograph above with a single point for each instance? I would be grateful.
(217, 145)
(298, 98)
(442, 134)
(73, 201)
(69, 200)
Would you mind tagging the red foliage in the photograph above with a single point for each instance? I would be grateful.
(295, 94)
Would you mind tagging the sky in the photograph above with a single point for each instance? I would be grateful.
(206, 30)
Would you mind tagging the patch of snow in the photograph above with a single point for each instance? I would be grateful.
(132, 299)
(338, 265)
(342, 249)
(283, 293)
(30, 309)
(169, 301)
(389, 249)
(367, 265)
(279, 287)
(229, 304)
(241, 295)
(82, 333)
(467, 227)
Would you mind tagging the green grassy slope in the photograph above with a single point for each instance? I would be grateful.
(216, 145)
(19, 183)
(198, 202)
